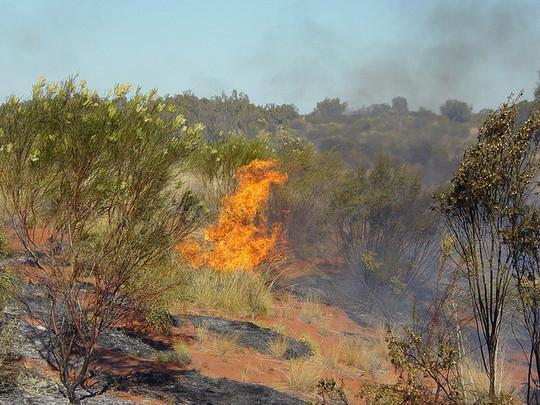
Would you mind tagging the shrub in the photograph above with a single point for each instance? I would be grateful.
(329, 392)
(214, 165)
(99, 174)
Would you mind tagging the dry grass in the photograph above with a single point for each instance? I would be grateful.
(34, 384)
(303, 374)
(476, 383)
(13, 372)
(284, 309)
(233, 293)
(332, 354)
(278, 347)
(350, 351)
(183, 354)
(312, 344)
(217, 343)
(369, 355)
(10, 348)
(312, 310)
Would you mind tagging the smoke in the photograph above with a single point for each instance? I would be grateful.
(282, 51)
(474, 51)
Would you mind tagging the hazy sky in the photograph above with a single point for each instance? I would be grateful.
(279, 51)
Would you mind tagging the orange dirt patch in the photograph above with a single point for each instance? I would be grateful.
(288, 317)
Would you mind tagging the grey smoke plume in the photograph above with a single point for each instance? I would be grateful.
(476, 51)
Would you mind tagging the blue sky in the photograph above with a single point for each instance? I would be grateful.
(279, 51)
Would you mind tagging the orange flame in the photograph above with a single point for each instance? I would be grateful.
(242, 238)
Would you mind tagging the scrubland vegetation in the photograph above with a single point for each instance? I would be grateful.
(130, 205)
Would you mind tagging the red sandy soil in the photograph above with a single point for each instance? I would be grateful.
(245, 365)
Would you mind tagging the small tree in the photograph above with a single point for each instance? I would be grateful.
(328, 110)
(456, 110)
(90, 192)
(487, 191)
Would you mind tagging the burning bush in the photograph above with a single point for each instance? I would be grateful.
(242, 237)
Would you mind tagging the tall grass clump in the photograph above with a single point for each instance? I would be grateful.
(303, 374)
(235, 292)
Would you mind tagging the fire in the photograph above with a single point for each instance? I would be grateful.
(242, 237)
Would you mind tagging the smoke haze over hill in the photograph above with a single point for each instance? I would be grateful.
(281, 52)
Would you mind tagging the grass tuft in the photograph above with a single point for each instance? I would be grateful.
(303, 374)
(235, 293)
(278, 346)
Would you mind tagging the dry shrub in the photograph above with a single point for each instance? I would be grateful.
(330, 392)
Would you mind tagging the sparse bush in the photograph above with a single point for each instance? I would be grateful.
(386, 230)
(426, 374)
(303, 203)
(98, 173)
